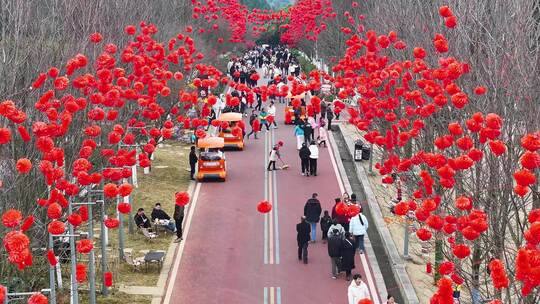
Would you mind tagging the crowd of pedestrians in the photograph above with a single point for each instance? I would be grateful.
(343, 235)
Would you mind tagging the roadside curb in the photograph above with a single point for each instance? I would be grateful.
(397, 263)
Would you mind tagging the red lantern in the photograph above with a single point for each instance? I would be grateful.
(463, 203)
(124, 208)
(182, 198)
(423, 234)
(28, 222)
(446, 268)
(498, 274)
(24, 165)
(56, 227)
(80, 273)
(497, 147)
(461, 251)
(75, 219)
(11, 218)
(110, 190)
(125, 189)
(264, 206)
(108, 279)
(51, 257)
(111, 223)
(38, 298)
(54, 211)
(401, 208)
(85, 246)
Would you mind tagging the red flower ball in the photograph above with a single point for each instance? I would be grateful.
(56, 227)
(264, 206)
(11, 218)
(85, 246)
(124, 208)
(182, 198)
(24, 165)
(110, 190)
(38, 298)
(111, 223)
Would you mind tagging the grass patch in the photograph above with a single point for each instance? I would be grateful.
(115, 297)
(169, 174)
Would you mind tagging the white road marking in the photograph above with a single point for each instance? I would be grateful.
(180, 251)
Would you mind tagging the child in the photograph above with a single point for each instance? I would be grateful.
(323, 135)
(326, 222)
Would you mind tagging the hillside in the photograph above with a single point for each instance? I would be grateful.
(260, 4)
(277, 4)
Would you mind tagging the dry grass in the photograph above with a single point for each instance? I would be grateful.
(168, 176)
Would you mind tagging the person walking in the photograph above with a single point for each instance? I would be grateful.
(273, 157)
(304, 159)
(329, 117)
(358, 227)
(312, 213)
(334, 251)
(192, 162)
(178, 219)
(342, 219)
(336, 226)
(357, 290)
(299, 133)
(302, 238)
(308, 132)
(326, 222)
(347, 255)
(272, 113)
(255, 124)
(323, 137)
(313, 156)
(263, 116)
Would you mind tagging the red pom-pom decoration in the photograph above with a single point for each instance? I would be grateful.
(264, 206)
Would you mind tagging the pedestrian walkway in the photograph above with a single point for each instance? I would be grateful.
(234, 254)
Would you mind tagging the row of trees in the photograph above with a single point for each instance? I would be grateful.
(493, 50)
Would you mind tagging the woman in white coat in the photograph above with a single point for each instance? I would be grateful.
(358, 290)
(358, 227)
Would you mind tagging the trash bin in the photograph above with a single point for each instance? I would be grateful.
(366, 152)
(358, 145)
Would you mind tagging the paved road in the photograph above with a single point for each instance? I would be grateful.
(233, 254)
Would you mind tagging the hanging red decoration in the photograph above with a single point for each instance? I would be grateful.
(461, 251)
(110, 190)
(264, 206)
(125, 189)
(423, 234)
(38, 298)
(111, 223)
(124, 208)
(51, 257)
(182, 198)
(11, 218)
(54, 211)
(56, 227)
(24, 165)
(85, 246)
(80, 273)
(108, 279)
(498, 274)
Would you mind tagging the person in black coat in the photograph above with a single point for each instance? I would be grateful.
(192, 162)
(304, 154)
(334, 251)
(312, 212)
(326, 222)
(302, 238)
(141, 220)
(329, 117)
(348, 250)
(160, 214)
(178, 219)
(308, 132)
